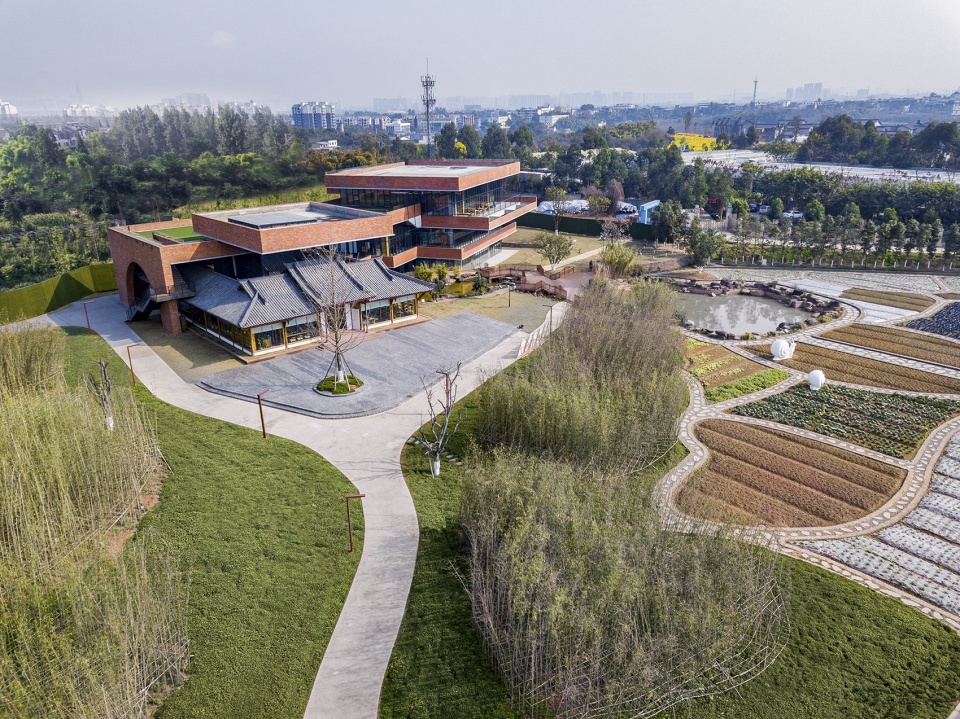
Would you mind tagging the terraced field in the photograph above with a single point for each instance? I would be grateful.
(845, 367)
(907, 344)
(725, 374)
(903, 300)
(921, 554)
(758, 475)
(892, 424)
(946, 322)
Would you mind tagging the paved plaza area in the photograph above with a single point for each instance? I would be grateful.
(392, 366)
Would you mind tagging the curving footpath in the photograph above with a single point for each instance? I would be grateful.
(367, 450)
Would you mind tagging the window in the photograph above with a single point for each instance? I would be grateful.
(404, 307)
(376, 312)
(302, 329)
(268, 336)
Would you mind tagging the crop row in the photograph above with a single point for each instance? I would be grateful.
(903, 300)
(934, 523)
(753, 382)
(760, 505)
(871, 556)
(855, 369)
(878, 477)
(923, 545)
(944, 504)
(892, 424)
(854, 496)
(908, 344)
(946, 322)
(945, 485)
(949, 466)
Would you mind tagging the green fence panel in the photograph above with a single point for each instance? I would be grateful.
(580, 226)
(56, 292)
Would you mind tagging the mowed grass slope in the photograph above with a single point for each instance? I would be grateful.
(902, 300)
(901, 342)
(761, 476)
(260, 527)
(856, 369)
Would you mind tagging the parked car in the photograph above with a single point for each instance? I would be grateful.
(793, 215)
(753, 206)
(763, 209)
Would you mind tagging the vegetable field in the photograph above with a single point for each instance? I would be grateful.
(946, 322)
(844, 367)
(903, 300)
(725, 374)
(762, 476)
(908, 344)
(887, 423)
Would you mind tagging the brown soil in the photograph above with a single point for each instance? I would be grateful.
(903, 300)
(761, 476)
(901, 342)
(844, 367)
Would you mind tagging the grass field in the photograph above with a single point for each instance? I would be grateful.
(845, 367)
(259, 526)
(901, 342)
(725, 374)
(903, 300)
(761, 476)
(893, 424)
(852, 654)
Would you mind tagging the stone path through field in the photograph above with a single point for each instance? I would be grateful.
(367, 450)
(802, 542)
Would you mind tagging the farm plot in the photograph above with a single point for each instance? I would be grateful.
(950, 295)
(946, 322)
(903, 300)
(845, 367)
(900, 342)
(920, 554)
(758, 475)
(725, 374)
(892, 424)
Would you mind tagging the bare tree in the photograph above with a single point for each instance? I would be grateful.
(558, 199)
(329, 290)
(102, 389)
(445, 417)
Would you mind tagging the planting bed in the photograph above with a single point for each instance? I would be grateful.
(950, 295)
(762, 476)
(946, 322)
(900, 342)
(903, 300)
(725, 374)
(893, 424)
(844, 367)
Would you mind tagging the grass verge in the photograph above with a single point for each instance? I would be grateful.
(259, 526)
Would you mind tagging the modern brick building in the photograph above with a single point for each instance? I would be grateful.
(252, 278)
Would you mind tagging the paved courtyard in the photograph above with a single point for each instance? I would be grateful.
(392, 366)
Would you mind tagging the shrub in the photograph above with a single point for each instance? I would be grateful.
(423, 271)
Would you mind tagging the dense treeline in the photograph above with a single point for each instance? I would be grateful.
(843, 139)
(586, 604)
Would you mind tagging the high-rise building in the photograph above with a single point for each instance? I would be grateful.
(315, 115)
(7, 110)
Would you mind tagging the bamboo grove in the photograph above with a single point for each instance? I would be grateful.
(587, 606)
(90, 625)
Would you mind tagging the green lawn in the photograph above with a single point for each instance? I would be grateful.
(260, 526)
(852, 654)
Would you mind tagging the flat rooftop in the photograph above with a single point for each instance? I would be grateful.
(427, 171)
(284, 218)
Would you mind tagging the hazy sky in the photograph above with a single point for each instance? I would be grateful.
(124, 52)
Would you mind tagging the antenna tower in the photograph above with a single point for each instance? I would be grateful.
(754, 103)
(429, 101)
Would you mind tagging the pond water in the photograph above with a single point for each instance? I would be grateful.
(737, 314)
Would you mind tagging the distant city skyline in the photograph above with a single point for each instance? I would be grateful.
(240, 51)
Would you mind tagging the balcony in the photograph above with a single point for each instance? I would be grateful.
(484, 216)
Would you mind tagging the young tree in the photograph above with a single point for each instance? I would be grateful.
(553, 248)
(615, 195)
(469, 136)
(599, 205)
(446, 141)
(557, 197)
(668, 222)
(933, 239)
(776, 209)
(704, 245)
(445, 417)
(951, 241)
(868, 236)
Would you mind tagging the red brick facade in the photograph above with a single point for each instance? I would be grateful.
(360, 177)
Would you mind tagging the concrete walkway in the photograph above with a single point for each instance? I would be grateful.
(367, 450)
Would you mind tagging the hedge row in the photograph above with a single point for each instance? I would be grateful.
(56, 292)
(581, 226)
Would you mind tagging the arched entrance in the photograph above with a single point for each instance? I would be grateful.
(138, 292)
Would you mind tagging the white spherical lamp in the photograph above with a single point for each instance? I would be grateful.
(816, 379)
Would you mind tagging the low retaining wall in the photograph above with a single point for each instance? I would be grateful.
(43, 297)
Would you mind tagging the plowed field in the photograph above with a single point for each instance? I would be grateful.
(845, 367)
(903, 300)
(762, 476)
(901, 342)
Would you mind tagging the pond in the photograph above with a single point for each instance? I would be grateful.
(737, 314)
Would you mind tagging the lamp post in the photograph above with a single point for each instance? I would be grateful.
(263, 422)
(87, 315)
(349, 525)
(133, 377)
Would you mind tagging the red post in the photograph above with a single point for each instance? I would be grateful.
(87, 315)
(133, 377)
(349, 525)
(263, 422)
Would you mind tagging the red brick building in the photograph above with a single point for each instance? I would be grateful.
(392, 216)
